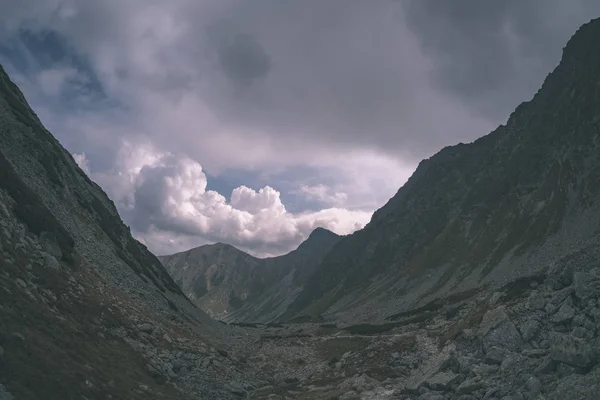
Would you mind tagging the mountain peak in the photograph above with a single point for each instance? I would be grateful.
(320, 232)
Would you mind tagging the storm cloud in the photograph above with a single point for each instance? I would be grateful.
(494, 55)
(311, 111)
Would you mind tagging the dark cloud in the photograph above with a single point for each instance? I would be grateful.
(330, 102)
(242, 58)
(495, 54)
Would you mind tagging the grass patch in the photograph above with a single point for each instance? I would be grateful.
(436, 304)
(521, 286)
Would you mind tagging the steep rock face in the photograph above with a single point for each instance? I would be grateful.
(235, 286)
(85, 310)
(298, 266)
(508, 204)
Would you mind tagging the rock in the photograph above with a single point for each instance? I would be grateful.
(560, 279)
(595, 314)
(21, 283)
(579, 320)
(577, 387)
(495, 355)
(546, 366)
(537, 303)
(351, 395)
(432, 396)
(572, 351)
(557, 299)
(145, 328)
(533, 384)
(222, 353)
(496, 296)
(496, 329)
(442, 380)
(534, 353)
(496, 392)
(586, 284)
(237, 389)
(167, 338)
(513, 363)
(529, 329)
(359, 383)
(471, 385)
(565, 370)
(427, 371)
(4, 394)
(50, 245)
(582, 333)
(485, 370)
(564, 314)
(177, 365)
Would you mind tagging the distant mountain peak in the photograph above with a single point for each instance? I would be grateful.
(320, 232)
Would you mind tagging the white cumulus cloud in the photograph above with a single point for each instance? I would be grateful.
(166, 200)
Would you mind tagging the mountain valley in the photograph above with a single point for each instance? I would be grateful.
(479, 279)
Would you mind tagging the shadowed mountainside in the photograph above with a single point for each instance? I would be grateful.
(86, 311)
(507, 205)
(237, 287)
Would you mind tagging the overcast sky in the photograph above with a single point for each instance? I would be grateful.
(253, 122)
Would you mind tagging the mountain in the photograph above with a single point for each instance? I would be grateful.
(511, 204)
(234, 286)
(485, 267)
(86, 311)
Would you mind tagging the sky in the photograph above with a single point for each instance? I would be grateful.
(254, 122)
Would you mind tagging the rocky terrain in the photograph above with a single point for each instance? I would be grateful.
(86, 311)
(537, 338)
(480, 279)
(234, 286)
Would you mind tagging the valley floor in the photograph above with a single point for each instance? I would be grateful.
(537, 339)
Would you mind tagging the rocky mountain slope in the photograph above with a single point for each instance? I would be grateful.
(510, 204)
(86, 311)
(234, 286)
(537, 338)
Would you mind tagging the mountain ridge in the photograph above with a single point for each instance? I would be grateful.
(504, 194)
(86, 311)
(220, 278)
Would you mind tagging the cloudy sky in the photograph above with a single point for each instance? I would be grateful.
(254, 121)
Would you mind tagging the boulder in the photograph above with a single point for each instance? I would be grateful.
(443, 380)
(496, 329)
(495, 355)
(237, 389)
(537, 302)
(572, 351)
(577, 387)
(145, 328)
(529, 329)
(586, 284)
(434, 365)
(564, 314)
(471, 385)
